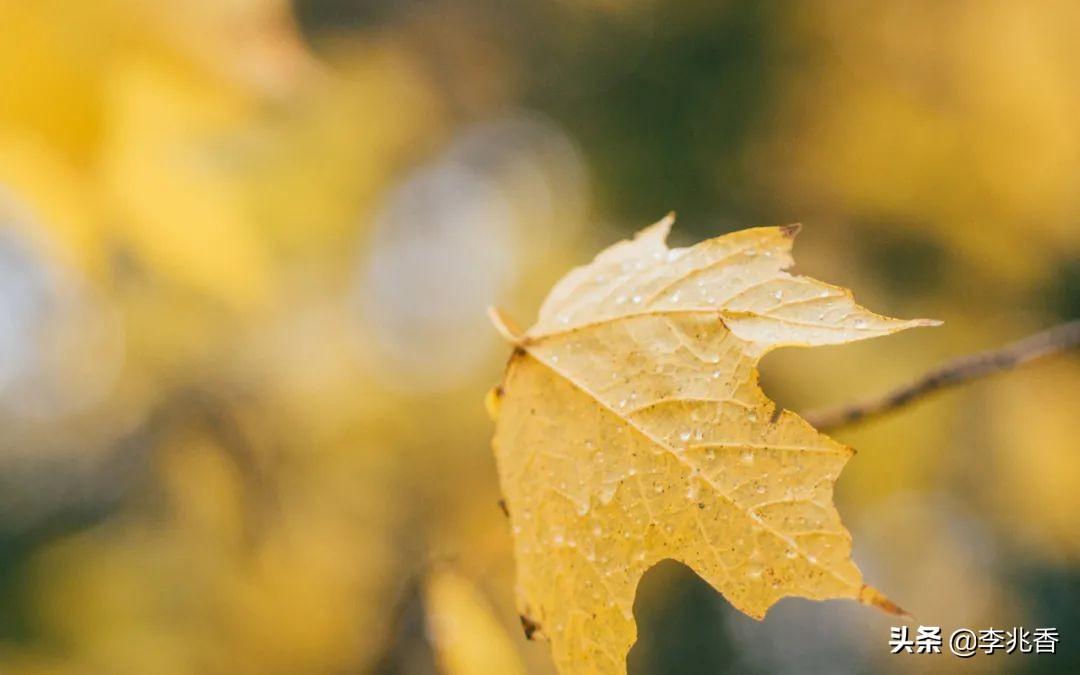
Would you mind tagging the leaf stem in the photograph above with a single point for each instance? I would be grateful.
(950, 374)
(505, 326)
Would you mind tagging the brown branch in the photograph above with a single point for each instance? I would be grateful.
(950, 374)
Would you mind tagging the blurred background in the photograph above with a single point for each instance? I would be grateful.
(246, 247)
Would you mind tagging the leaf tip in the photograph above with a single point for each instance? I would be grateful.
(791, 230)
(658, 231)
(530, 627)
(868, 595)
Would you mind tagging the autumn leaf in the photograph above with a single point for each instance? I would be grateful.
(631, 429)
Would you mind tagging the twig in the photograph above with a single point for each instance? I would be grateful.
(958, 371)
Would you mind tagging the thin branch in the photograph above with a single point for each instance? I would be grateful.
(950, 374)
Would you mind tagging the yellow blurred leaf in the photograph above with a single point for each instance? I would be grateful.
(171, 168)
(1035, 471)
(632, 429)
(48, 200)
(965, 136)
(465, 634)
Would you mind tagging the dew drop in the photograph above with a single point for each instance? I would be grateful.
(777, 294)
(607, 493)
(684, 436)
(636, 299)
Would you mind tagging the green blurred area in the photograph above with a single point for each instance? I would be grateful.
(245, 253)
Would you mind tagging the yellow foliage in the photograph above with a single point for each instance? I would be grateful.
(466, 636)
(966, 135)
(631, 428)
(1035, 482)
(169, 144)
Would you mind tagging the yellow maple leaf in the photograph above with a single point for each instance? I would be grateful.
(631, 429)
